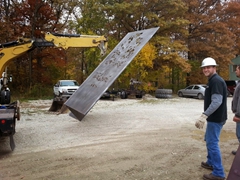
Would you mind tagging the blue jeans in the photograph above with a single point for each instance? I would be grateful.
(214, 157)
(238, 131)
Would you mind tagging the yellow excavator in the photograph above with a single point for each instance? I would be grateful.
(10, 112)
(12, 50)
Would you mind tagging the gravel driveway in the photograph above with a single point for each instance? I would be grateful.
(122, 139)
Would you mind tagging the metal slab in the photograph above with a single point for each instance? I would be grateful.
(108, 70)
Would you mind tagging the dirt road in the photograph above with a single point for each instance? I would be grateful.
(148, 139)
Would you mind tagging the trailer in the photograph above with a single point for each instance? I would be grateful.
(9, 113)
(135, 90)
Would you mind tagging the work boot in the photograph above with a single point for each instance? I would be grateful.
(206, 166)
(212, 177)
(234, 152)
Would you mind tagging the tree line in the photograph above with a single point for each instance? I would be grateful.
(190, 30)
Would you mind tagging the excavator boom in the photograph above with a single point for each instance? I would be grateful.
(11, 51)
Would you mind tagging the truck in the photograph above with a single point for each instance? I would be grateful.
(10, 112)
(134, 90)
(65, 88)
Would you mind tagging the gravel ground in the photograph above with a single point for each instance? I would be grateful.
(128, 139)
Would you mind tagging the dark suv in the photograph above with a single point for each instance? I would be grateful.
(231, 85)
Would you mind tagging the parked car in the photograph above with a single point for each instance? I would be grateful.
(195, 90)
(231, 85)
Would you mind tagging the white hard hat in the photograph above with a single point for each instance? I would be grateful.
(208, 62)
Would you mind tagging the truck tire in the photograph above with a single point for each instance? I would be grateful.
(123, 95)
(139, 96)
(163, 93)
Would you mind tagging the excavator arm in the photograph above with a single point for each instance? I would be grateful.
(66, 41)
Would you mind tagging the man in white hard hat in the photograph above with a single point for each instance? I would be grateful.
(215, 113)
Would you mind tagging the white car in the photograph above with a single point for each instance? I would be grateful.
(65, 88)
(195, 90)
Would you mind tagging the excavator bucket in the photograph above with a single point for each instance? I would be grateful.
(105, 74)
(56, 106)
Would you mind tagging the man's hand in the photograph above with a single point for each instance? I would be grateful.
(236, 119)
(200, 122)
